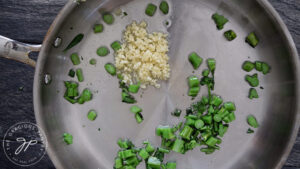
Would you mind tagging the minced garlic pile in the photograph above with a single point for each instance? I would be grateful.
(143, 57)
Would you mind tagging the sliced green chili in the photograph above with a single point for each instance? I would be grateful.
(154, 162)
(79, 74)
(253, 94)
(195, 60)
(248, 66)
(220, 20)
(127, 98)
(98, 28)
(252, 121)
(186, 132)
(199, 124)
(74, 42)
(193, 81)
(135, 109)
(230, 35)
(144, 154)
(75, 59)
(139, 118)
(258, 66)
(171, 165)
(151, 9)
(265, 68)
(211, 63)
(252, 39)
(92, 115)
(252, 80)
(108, 18)
(102, 51)
(194, 91)
(178, 146)
(229, 106)
(110, 68)
(93, 61)
(164, 7)
(205, 72)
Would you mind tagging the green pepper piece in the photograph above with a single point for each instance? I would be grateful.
(250, 131)
(194, 91)
(110, 68)
(93, 61)
(71, 73)
(248, 66)
(195, 60)
(151, 9)
(230, 35)
(252, 121)
(79, 74)
(75, 59)
(92, 115)
(252, 80)
(211, 63)
(154, 162)
(253, 94)
(193, 81)
(108, 18)
(102, 51)
(258, 66)
(98, 28)
(252, 39)
(205, 72)
(220, 20)
(178, 146)
(116, 45)
(265, 68)
(68, 138)
(134, 88)
(164, 7)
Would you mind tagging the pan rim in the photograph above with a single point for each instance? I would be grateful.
(70, 5)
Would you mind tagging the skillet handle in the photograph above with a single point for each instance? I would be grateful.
(18, 51)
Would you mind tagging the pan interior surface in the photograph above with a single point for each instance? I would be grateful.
(191, 29)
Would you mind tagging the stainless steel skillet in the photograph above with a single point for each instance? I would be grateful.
(191, 30)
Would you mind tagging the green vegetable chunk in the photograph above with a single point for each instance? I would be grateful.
(199, 124)
(154, 162)
(178, 146)
(71, 73)
(151, 9)
(139, 118)
(252, 39)
(110, 68)
(195, 60)
(108, 18)
(207, 150)
(74, 42)
(258, 66)
(222, 129)
(219, 20)
(144, 154)
(229, 106)
(134, 88)
(118, 163)
(249, 131)
(205, 72)
(177, 112)
(98, 28)
(265, 68)
(230, 35)
(253, 94)
(164, 7)
(194, 91)
(248, 66)
(252, 80)
(186, 132)
(135, 109)
(211, 63)
(193, 81)
(93, 61)
(166, 132)
(252, 121)
(171, 165)
(68, 138)
(92, 115)
(79, 74)
(75, 59)
(102, 51)
(212, 141)
(127, 98)
(116, 45)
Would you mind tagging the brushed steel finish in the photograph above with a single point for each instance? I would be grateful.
(18, 51)
(192, 29)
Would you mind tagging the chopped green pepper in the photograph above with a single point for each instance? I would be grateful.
(176, 112)
(102, 51)
(249, 131)
(135, 109)
(134, 88)
(253, 94)
(219, 20)
(144, 154)
(194, 91)
(265, 68)
(195, 60)
(252, 121)
(205, 72)
(79, 74)
(230, 35)
(258, 66)
(193, 81)
(178, 146)
(116, 45)
(71, 73)
(127, 98)
(93, 61)
(164, 7)
(108, 18)
(252, 80)
(110, 68)
(98, 28)
(151, 9)
(75, 59)
(248, 66)
(139, 118)
(229, 106)
(199, 124)
(211, 63)
(68, 138)
(252, 39)
(92, 115)
(171, 165)
(154, 162)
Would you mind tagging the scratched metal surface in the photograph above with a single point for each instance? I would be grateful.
(28, 21)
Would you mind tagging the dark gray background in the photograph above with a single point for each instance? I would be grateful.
(28, 20)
